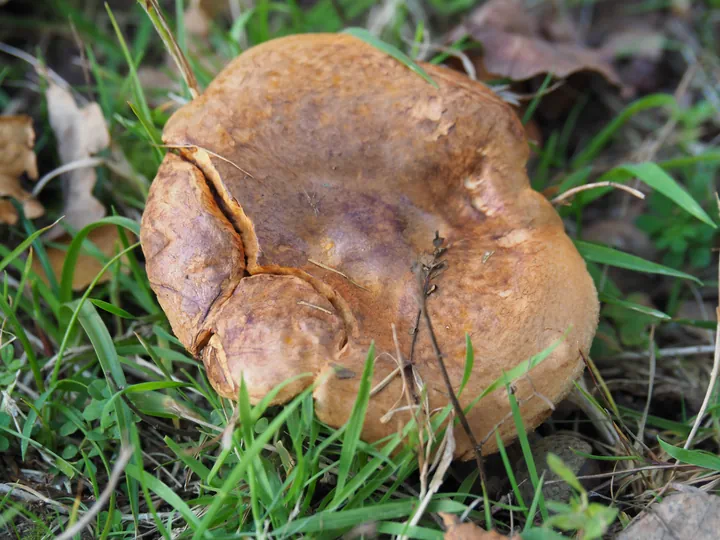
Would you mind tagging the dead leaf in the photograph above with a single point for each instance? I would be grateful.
(80, 132)
(455, 530)
(519, 44)
(693, 514)
(107, 240)
(17, 157)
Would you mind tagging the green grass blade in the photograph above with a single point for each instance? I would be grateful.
(73, 251)
(102, 343)
(68, 469)
(109, 361)
(10, 257)
(612, 257)
(397, 54)
(518, 371)
(23, 280)
(536, 99)
(138, 91)
(110, 308)
(564, 472)
(398, 529)
(76, 310)
(632, 306)
(246, 425)
(469, 363)
(601, 139)
(662, 182)
(253, 451)
(699, 458)
(332, 520)
(509, 471)
(190, 462)
(355, 424)
(527, 452)
(165, 493)
(135, 388)
(25, 342)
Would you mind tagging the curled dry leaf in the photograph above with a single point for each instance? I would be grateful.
(107, 240)
(80, 132)
(455, 530)
(693, 514)
(17, 158)
(519, 45)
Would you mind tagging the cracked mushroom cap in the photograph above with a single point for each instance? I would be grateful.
(310, 179)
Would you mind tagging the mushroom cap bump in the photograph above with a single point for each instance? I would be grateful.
(312, 174)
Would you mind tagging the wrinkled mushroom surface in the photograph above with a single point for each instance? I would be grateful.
(313, 174)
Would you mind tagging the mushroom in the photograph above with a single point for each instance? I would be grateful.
(285, 235)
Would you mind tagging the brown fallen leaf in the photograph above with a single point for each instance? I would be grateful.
(693, 514)
(80, 132)
(17, 158)
(519, 45)
(455, 530)
(105, 237)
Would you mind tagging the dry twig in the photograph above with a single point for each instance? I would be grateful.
(119, 467)
(426, 275)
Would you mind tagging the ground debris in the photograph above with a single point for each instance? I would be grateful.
(693, 514)
(520, 44)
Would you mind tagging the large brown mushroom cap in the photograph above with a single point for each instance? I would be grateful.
(314, 173)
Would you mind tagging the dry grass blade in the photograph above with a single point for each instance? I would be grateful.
(308, 304)
(651, 382)
(161, 26)
(424, 290)
(210, 152)
(448, 449)
(338, 272)
(41, 69)
(574, 191)
(713, 373)
(67, 167)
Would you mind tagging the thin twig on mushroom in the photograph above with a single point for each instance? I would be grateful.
(425, 275)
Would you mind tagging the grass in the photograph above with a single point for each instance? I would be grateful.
(97, 390)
